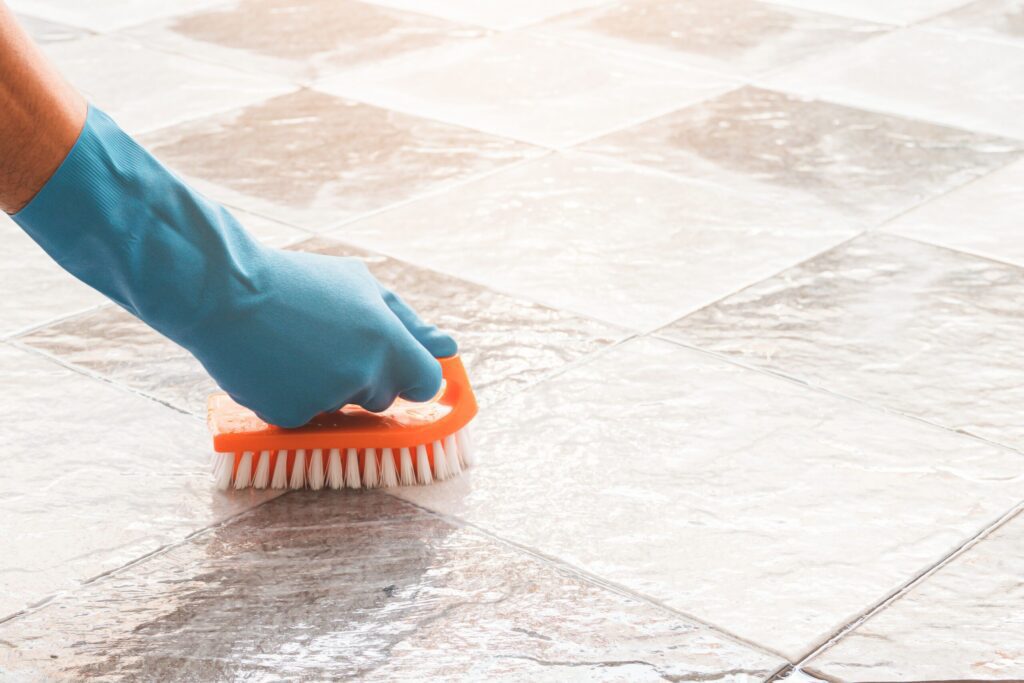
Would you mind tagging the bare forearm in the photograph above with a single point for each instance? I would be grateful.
(40, 116)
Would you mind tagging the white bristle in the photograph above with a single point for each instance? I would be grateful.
(465, 447)
(298, 479)
(452, 451)
(316, 469)
(440, 462)
(335, 474)
(423, 465)
(223, 463)
(370, 469)
(280, 478)
(352, 468)
(408, 474)
(388, 473)
(262, 476)
(244, 472)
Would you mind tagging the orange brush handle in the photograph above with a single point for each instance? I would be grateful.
(403, 425)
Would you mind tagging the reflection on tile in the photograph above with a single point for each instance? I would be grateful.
(897, 73)
(268, 231)
(314, 160)
(312, 587)
(43, 31)
(988, 18)
(961, 623)
(34, 289)
(920, 329)
(982, 218)
(726, 493)
(615, 242)
(302, 40)
(506, 85)
(94, 477)
(902, 12)
(499, 14)
(736, 36)
(144, 89)
(861, 163)
(106, 15)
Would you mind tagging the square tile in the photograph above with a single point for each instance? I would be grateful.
(963, 623)
(145, 89)
(302, 40)
(316, 586)
(998, 19)
(315, 160)
(741, 37)
(899, 73)
(107, 15)
(919, 329)
(33, 288)
(982, 218)
(902, 12)
(506, 85)
(866, 165)
(94, 477)
(725, 493)
(618, 243)
(44, 32)
(498, 14)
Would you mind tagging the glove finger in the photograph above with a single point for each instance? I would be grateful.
(417, 374)
(439, 344)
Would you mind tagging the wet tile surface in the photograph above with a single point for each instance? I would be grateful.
(315, 160)
(144, 89)
(505, 85)
(107, 15)
(43, 32)
(580, 233)
(903, 12)
(999, 19)
(500, 14)
(896, 73)
(725, 493)
(741, 37)
(861, 163)
(303, 40)
(316, 587)
(34, 289)
(963, 623)
(114, 477)
(920, 329)
(982, 218)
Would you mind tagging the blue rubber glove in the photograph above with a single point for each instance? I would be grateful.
(286, 334)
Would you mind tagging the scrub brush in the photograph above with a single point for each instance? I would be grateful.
(409, 443)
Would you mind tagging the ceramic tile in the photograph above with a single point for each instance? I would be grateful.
(725, 493)
(144, 89)
(311, 587)
(618, 243)
(498, 14)
(106, 15)
(982, 218)
(978, 88)
(742, 37)
(961, 623)
(902, 12)
(919, 329)
(303, 40)
(44, 32)
(315, 160)
(94, 477)
(866, 165)
(506, 85)
(1000, 19)
(34, 289)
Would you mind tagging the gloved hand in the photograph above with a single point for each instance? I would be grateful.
(286, 334)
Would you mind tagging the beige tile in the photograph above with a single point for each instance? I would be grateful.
(44, 32)
(866, 165)
(615, 242)
(302, 40)
(144, 89)
(741, 37)
(317, 586)
(499, 14)
(106, 15)
(899, 73)
(961, 623)
(998, 19)
(755, 504)
(34, 289)
(94, 477)
(315, 160)
(527, 87)
(982, 218)
(902, 12)
(919, 329)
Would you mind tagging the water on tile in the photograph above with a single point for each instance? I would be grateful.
(499, 14)
(316, 586)
(107, 15)
(1000, 19)
(864, 164)
(902, 12)
(42, 31)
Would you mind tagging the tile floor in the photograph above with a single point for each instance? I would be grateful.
(739, 284)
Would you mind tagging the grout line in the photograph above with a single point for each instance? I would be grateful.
(24, 331)
(952, 249)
